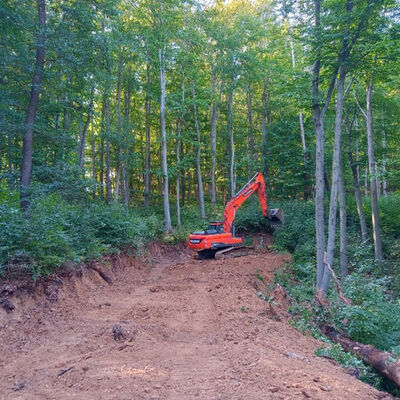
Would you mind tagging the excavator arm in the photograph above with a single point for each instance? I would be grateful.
(255, 184)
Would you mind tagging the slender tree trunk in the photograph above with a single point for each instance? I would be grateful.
(318, 116)
(232, 144)
(85, 130)
(198, 155)
(319, 197)
(27, 149)
(214, 116)
(356, 184)
(125, 176)
(94, 169)
(147, 176)
(368, 115)
(343, 222)
(252, 154)
(168, 225)
(108, 148)
(384, 161)
(66, 126)
(57, 118)
(119, 128)
(160, 180)
(117, 183)
(301, 123)
(102, 134)
(178, 151)
(264, 132)
(372, 171)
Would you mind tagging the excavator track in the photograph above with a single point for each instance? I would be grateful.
(233, 252)
(229, 252)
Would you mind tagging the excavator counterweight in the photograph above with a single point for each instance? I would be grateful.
(220, 235)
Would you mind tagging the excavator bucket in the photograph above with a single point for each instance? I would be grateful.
(276, 216)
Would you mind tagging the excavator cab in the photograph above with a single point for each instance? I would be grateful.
(215, 228)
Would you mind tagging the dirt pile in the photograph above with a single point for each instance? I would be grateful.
(168, 327)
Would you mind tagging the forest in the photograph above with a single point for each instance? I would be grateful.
(128, 121)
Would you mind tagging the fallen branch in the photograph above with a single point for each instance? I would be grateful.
(338, 287)
(383, 362)
(64, 371)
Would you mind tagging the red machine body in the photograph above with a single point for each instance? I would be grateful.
(221, 234)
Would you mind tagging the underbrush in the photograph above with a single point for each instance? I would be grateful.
(55, 231)
(374, 317)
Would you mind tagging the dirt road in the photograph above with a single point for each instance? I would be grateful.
(185, 329)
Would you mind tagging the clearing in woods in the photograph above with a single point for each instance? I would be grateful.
(169, 327)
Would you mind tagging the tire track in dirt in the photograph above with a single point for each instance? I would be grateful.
(193, 330)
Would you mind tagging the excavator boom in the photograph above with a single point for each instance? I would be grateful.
(255, 184)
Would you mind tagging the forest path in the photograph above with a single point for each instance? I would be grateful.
(192, 330)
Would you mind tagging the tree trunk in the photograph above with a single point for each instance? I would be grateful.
(372, 172)
(319, 196)
(168, 225)
(147, 175)
(214, 115)
(384, 161)
(94, 168)
(198, 155)
(252, 154)
(125, 170)
(117, 184)
(356, 184)
(318, 116)
(368, 116)
(381, 361)
(178, 151)
(27, 149)
(119, 128)
(264, 133)
(108, 148)
(337, 148)
(85, 130)
(232, 143)
(301, 123)
(343, 222)
(102, 152)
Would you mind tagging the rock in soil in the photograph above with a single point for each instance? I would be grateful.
(118, 333)
(7, 305)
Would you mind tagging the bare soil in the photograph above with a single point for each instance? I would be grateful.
(167, 327)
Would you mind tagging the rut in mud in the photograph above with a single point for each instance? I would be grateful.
(169, 327)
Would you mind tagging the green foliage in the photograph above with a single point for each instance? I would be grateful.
(298, 233)
(57, 231)
(347, 360)
(375, 316)
(389, 214)
(249, 217)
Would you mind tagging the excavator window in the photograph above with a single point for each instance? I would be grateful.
(214, 229)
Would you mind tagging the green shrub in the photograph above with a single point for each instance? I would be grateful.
(347, 360)
(375, 316)
(298, 233)
(56, 230)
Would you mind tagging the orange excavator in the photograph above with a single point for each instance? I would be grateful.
(220, 237)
